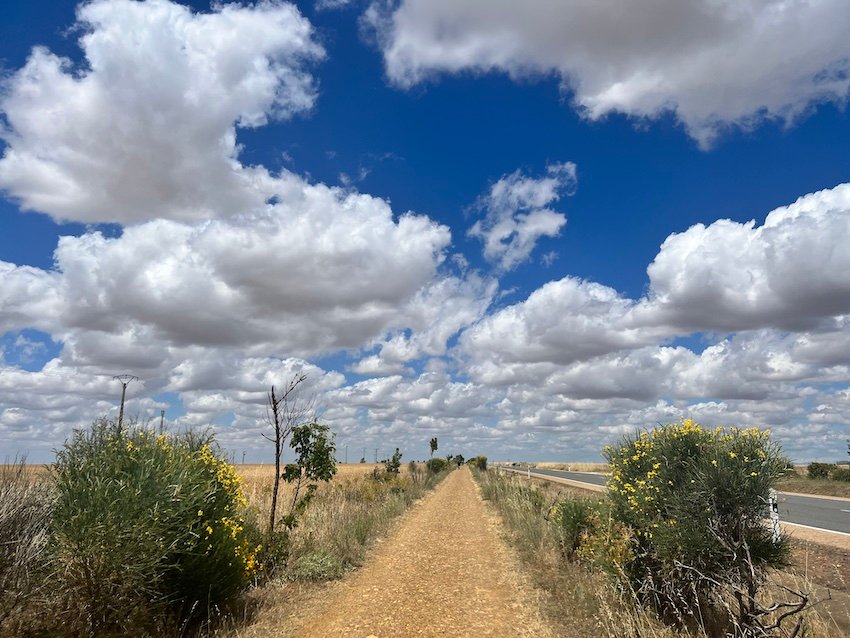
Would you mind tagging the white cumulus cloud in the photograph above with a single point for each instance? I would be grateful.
(517, 213)
(319, 271)
(147, 127)
(791, 272)
(713, 63)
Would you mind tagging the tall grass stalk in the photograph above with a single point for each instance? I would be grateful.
(25, 509)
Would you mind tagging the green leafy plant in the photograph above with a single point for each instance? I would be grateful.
(392, 465)
(146, 527)
(436, 465)
(573, 519)
(820, 470)
(314, 448)
(315, 460)
(695, 502)
(841, 474)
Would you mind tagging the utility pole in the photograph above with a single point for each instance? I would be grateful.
(243, 457)
(346, 453)
(124, 380)
(161, 421)
(376, 455)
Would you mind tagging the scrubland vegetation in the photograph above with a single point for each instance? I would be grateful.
(132, 533)
(827, 479)
(136, 534)
(678, 546)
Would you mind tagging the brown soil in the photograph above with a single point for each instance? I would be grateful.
(445, 571)
(821, 564)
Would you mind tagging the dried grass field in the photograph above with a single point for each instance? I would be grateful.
(257, 480)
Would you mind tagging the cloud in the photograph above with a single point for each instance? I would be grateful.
(790, 273)
(713, 64)
(321, 270)
(146, 128)
(560, 323)
(225, 278)
(323, 5)
(28, 298)
(517, 213)
(437, 313)
(770, 305)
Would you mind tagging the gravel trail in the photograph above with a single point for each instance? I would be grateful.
(445, 571)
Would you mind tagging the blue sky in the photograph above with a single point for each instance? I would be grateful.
(526, 233)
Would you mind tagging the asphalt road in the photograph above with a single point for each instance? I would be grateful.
(821, 513)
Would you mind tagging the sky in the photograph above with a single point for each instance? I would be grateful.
(527, 229)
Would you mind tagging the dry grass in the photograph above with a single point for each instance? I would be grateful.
(258, 479)
(25, 508)
(602, 468)
(578, 603)
(820, 487)
(581, 603)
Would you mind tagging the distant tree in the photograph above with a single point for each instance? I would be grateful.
(459, 459)
(393, 465)
(362, 459)
(433, 445)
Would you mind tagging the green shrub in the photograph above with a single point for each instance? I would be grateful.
(392, 465)
(147, 527)
(572, 521)
(316, 566)
(436, 465)
(479, 462)
(695, 501)
(841, 474)
(522, 505)
(820, 470)
(25, 508)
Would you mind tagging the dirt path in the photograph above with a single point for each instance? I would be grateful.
(444, 572)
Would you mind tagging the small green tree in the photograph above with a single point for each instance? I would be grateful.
(393, 465)
(433, 445)
(315, 461)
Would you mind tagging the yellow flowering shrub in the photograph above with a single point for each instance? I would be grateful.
(149, 526)
(695, 500)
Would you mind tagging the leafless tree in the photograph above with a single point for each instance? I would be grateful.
(283, 413)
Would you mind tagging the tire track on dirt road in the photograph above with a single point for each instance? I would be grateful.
(445, 571)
